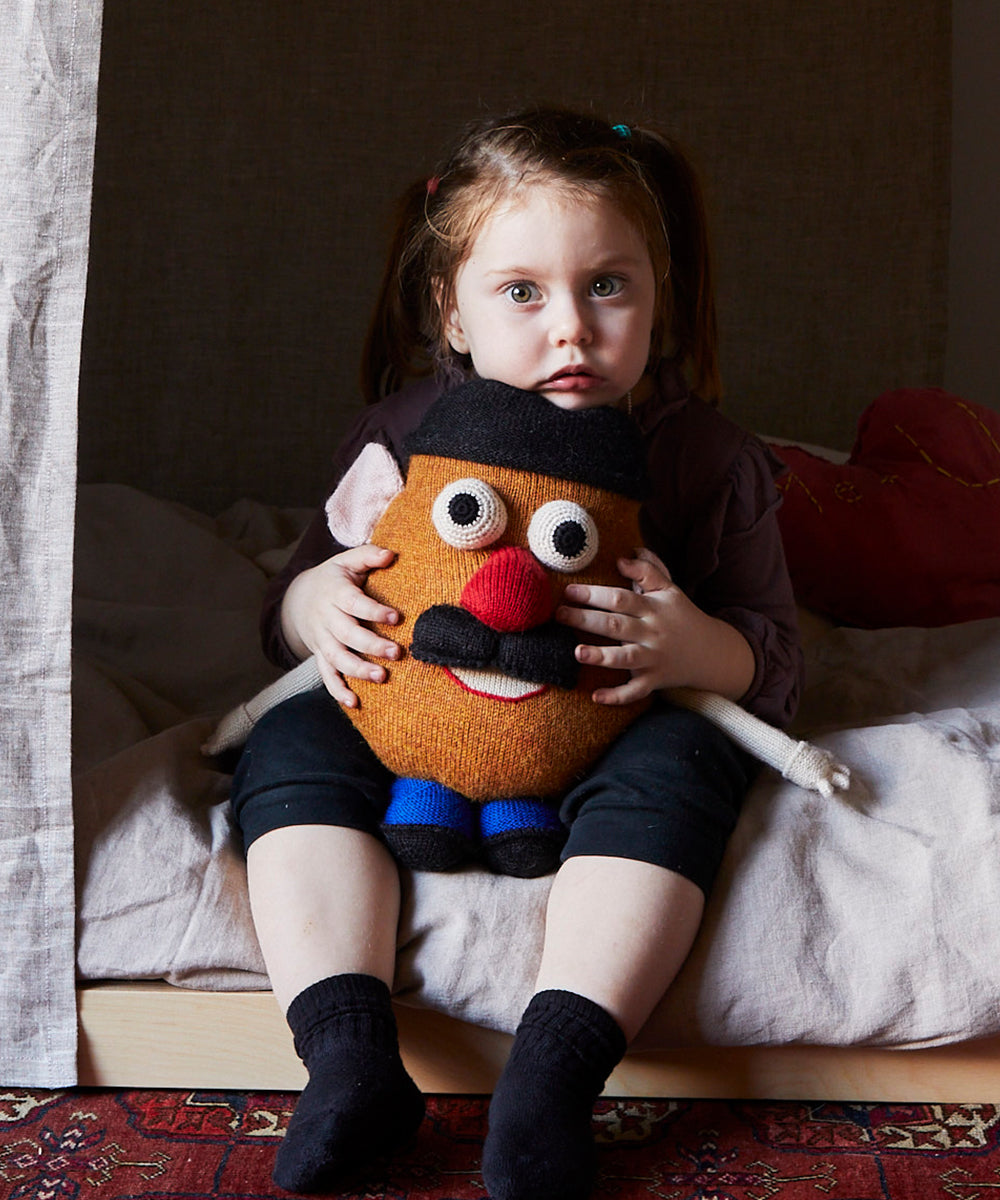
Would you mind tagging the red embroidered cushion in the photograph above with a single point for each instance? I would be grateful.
(907, 531)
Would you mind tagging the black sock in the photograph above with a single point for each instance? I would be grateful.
(540, 1145)
(359, 1102)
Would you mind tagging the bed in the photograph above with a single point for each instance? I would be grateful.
(848, 949)
(861, 920)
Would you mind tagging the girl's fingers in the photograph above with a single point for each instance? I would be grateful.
(342, 666)
(349, 598)
(635, 689)
(617, 625)
(362, 559)
(592, 595)
(647, 572)
(334, 683)
(347, 660)
(620, 656)
(365, 608)
(363, 640)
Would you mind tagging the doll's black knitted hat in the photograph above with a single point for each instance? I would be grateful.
(490, 422)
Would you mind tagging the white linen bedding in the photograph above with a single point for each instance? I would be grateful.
(870, 918)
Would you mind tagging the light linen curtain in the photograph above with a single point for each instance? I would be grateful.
(49, 53)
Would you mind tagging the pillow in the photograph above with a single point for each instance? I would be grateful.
(906, 531)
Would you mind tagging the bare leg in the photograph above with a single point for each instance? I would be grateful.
(325, 901)
(618, 931)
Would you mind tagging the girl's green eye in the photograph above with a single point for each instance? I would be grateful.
(520, 293)
(607, 285)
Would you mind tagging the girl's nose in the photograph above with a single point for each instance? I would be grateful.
(570, 326)
(510, 592)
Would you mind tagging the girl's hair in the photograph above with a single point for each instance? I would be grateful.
(644, 173)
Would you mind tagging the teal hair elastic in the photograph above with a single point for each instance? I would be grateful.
(623, 131)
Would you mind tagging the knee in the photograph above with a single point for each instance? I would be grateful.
(305, 746)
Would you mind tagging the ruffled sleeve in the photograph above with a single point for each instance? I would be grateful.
(716, 528)
(748, 585)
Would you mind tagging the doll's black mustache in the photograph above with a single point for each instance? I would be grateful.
(449, 636)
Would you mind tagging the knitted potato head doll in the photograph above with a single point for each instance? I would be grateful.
(488, 717)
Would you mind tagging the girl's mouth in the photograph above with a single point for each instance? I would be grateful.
(572, 379)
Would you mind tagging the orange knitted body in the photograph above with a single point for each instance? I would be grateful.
(486, 734)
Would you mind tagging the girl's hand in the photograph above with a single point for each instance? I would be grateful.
(322, 612)
(660, 636)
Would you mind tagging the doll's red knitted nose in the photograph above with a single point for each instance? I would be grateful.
(510, 592)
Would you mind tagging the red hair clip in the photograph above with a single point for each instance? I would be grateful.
(432, 185)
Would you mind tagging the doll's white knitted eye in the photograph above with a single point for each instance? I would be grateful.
(562, 535)
(468, 514)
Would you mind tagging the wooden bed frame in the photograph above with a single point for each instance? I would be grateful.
(151, 1035)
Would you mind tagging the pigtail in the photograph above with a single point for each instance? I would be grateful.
(693, 325)
(396, 345)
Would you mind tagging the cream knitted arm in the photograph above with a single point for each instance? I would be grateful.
(234, 728)
(801, 763)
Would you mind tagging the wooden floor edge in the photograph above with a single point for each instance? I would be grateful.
(154, 1035)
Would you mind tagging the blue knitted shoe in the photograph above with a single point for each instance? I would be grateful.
(521, 837)
(428, 827)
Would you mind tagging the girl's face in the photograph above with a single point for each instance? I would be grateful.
(556, 296)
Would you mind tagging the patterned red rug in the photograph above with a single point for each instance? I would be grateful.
(65, 1145)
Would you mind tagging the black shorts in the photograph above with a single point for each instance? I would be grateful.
(667, 792)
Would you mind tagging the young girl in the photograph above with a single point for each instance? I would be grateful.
(568, 257)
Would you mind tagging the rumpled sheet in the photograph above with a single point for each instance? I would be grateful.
(866, 919)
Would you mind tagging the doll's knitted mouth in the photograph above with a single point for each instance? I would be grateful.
(494, 685)
(449, 636)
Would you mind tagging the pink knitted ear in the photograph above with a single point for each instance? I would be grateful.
(372, 481)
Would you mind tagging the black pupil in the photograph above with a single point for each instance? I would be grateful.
(464, 508)
(569, 538)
